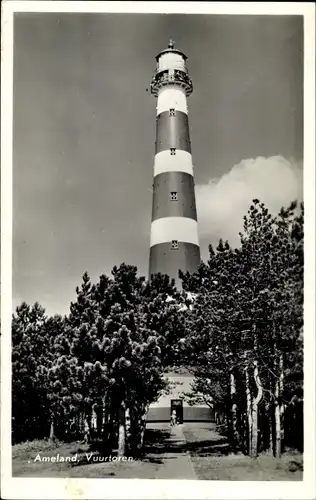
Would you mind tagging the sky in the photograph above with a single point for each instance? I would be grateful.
(84, 133)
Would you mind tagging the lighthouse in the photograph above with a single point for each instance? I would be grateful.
(174, 242)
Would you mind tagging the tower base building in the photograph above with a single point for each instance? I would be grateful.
(162, 409)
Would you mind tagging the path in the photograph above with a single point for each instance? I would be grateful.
(177, 463)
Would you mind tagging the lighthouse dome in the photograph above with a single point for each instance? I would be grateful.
(170, 59)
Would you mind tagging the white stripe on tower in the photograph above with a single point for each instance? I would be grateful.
(174, 228)
(180, 162)
(171, 97)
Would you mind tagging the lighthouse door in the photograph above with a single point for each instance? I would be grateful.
(177, 405)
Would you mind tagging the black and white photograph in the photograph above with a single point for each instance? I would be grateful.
(158, 247)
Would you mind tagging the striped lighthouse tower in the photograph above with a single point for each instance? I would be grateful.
(174, 243)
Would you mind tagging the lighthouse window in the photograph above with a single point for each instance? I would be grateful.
(172, 112)
(174, 196)
(172, 151)
(174, 245)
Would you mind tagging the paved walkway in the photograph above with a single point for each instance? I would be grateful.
(177, 463)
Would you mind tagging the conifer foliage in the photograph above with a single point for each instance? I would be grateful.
(244, 331)
(104, 366)
(93, 373)
(33, 338)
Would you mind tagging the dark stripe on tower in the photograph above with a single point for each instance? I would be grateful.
(172, 132)
(167, 261)
(167, 183)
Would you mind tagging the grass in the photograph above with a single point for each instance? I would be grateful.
(209, 452)
(23, 449)
(25, 465)
(241, 468)
(212, 459)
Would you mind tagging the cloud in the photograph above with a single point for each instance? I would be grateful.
(222, 203)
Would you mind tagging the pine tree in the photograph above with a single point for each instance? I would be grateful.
(245, 325)
(33, 338)
(125, 326)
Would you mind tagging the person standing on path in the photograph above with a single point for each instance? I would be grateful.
(173, 419)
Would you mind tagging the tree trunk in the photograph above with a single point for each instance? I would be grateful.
(122, 430)
(282, 408)
(128, 430)
(93, 423)
(81, 422)
(254, 437)
(249, 412)
(277, 422)
(271, 429)
(99, 422)
(105, 420)
(87, 430)
(256, 401)
(112, 429)
(279, 408)
(52, 428)
(281, 368)
(78, 431)
(234, 431)
(142, 434)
